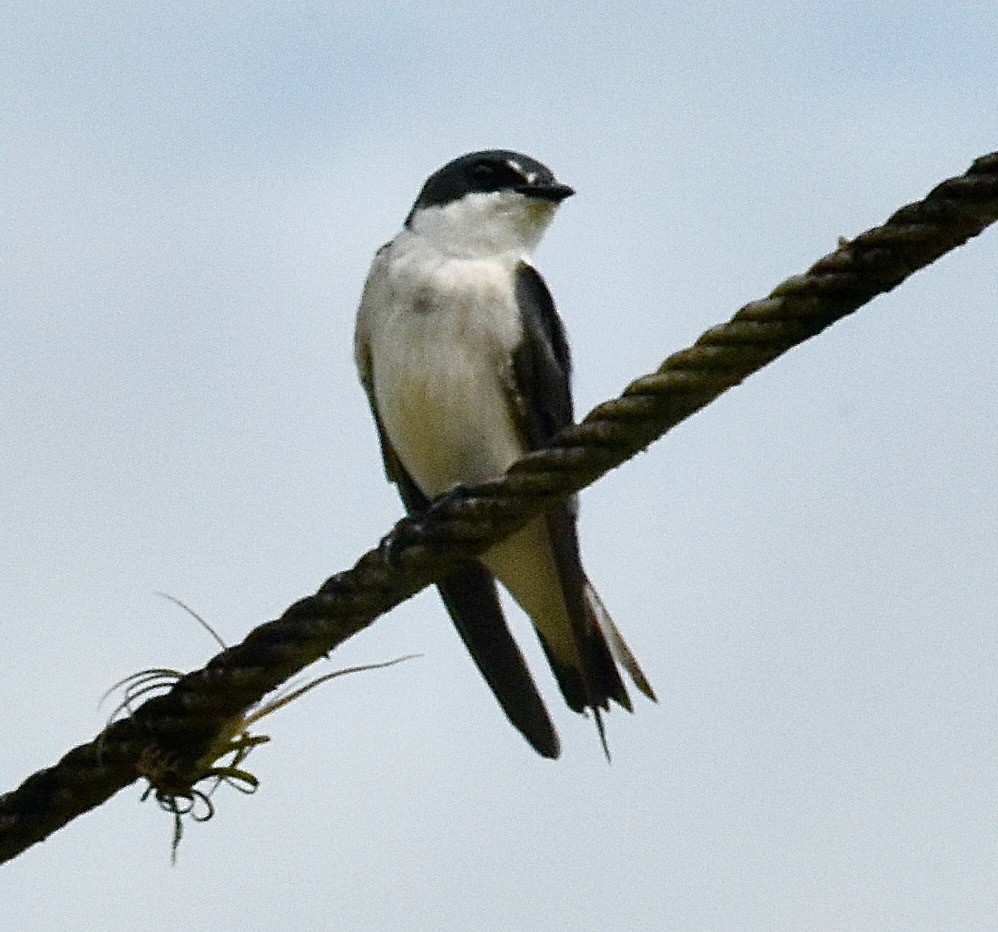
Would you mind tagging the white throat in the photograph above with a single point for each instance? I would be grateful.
(481, 225)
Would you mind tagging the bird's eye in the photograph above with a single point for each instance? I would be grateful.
(483, 173)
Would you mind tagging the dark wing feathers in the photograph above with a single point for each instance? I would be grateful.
(541, 385)
(471, 598)
(541, 365)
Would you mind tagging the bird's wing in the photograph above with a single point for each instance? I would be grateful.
(539, 385)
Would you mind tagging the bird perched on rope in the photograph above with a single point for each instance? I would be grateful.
(466, 367)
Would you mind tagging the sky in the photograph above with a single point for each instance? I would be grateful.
(806, 569)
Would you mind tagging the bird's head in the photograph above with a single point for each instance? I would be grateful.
(487, 203)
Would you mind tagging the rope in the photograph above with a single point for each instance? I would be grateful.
(174, 739)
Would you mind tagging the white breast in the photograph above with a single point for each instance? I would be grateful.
(440, 334)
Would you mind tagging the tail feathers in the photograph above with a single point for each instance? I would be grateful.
(569, 679)
(619, 650)
(471, 598)
(604, 633)
(598, 681)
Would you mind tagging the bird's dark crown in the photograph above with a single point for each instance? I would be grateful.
(488, 171)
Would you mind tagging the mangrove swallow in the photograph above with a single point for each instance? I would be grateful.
(466, 368)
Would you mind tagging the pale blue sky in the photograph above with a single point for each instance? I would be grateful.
(806, 569)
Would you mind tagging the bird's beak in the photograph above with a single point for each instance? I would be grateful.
(547, 191)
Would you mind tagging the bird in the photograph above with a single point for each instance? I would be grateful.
(466, 367)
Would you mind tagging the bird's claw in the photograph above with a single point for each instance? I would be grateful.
(413, 528)
(397, 539)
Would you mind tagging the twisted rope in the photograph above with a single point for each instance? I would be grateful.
(173, 739)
